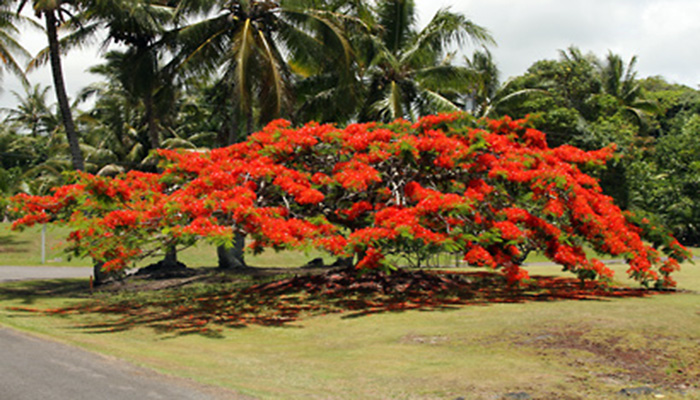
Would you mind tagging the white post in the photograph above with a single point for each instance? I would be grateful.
(43, 244)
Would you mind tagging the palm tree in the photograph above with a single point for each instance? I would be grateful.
(253, 47)
(485, 82)
(487, 95)
(139, 25)
(32, 112)
(136, 24)
(257, 45)
(326, 90)
(113, 121)
(409, 72)
(116, 129)
(617, 79)
(53, 13)
(620, 81)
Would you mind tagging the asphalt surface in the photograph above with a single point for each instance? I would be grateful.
(36, 369)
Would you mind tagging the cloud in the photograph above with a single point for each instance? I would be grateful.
(663, 34)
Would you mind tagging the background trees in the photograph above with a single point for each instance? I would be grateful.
(666, 176)
(409, 72)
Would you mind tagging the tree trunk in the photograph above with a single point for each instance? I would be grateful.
(345, 262)
(60, 87)
(171, 256)
(99, 275)
(232, 133)
(151, 121)
(249, 121)
(232, 257)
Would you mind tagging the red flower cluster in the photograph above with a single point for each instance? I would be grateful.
(491, 190)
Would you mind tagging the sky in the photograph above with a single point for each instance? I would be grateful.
(663, 34)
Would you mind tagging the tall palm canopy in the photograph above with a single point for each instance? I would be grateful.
(409, 72)
(140, 26)
(256, 45)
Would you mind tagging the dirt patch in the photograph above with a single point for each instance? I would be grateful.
(616, 358)
(413, 338)
(10, 249)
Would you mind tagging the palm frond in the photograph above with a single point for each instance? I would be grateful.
(447, 29)
(431, 102)
(242, 49)
(397, 17)
(75, 40)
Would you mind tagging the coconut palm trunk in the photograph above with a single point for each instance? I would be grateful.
(60, 87)
(153, 135)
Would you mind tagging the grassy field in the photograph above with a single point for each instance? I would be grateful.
(24, 249)
(561, 349)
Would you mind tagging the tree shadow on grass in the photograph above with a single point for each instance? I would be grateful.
(206, 309)
(10, 244)
(28, 292)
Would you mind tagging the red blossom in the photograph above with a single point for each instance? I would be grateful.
(371, 260)
(479, 256)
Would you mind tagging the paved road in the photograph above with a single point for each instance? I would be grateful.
(8, 273)
(35, 369)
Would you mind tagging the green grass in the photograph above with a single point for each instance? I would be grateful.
(24, 249)
(550, 349)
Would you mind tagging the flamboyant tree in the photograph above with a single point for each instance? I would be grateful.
(491, 190)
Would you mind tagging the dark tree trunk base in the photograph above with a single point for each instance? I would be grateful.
(98, 274)
(232, 257)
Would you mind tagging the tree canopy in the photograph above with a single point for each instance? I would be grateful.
(492, 191)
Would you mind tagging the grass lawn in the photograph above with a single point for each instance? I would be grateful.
(24, 249)
(560, 349)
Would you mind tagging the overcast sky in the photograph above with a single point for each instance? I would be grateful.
(663, 34)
